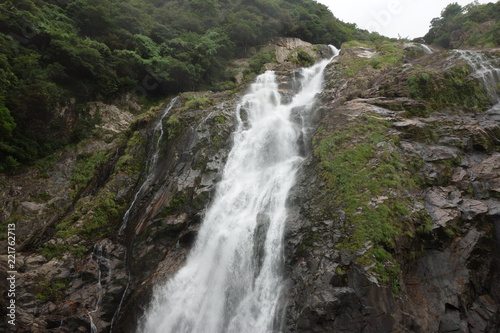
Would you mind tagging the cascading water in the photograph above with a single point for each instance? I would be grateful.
(425, 48)
(486, 71)
(104, 274)
(232, 280)
(152, 160)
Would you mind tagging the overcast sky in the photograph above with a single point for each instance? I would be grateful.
(392, 18)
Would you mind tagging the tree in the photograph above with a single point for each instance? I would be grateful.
(7, 123)
(451, 10)
(462, 21)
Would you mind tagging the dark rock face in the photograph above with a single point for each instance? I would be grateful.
(359, 306)
(107, 284)
(448, 280)
(167, 219)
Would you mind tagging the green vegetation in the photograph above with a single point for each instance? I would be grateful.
(220, 119)
(63, 54)
(45, 163)
(129, 162)
(51, 290)
(473, 25)
(99, 215)
(303, 58)
(388, 54)
(194, 102)
(90, 221)
(106, 216)
(452, 88)
(174, 205)
(50, 251)
(257, 62)
(85, 169)
(43, 196)
(217, 141)
(174, 126)
(366, 181)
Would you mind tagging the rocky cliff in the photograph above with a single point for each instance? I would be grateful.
(394, 223)
(395, 220)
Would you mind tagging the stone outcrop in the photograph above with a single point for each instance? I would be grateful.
(287, 47)
(287, 52)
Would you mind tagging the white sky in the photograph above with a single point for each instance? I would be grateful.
(392, 18)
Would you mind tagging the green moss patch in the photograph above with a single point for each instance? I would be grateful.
(174, 205)
(301, 58)
(367, 178)
(97, 216)
(452, 88)
(174, 126)
(51, 290)
(194, 102)
(85, 169)
(95, 220)
(387, 55)
(129, 162)
(257, 62)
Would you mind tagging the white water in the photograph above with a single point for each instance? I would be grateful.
(425, 48)
(100, 256)
(486, 72)
(232, 280)
(151, 162)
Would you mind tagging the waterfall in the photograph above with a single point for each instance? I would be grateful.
(485, 70)
(104, 275)
(232, 280)
(425, 48)
(151, 162)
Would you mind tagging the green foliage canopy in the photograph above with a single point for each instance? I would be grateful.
(473, 25)
(57, 53)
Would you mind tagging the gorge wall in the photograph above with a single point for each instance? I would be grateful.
(394, 223)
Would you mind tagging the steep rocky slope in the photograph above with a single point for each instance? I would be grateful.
(394, 223)
(396, 218)
(74, 264)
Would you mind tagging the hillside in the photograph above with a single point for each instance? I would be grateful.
(57, 56)
(469, 26)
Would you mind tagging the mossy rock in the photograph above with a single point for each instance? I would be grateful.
(450, 89)
(368, 179)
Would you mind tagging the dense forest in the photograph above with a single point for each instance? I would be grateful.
(473, 25)
(64, 53)
(60, 54)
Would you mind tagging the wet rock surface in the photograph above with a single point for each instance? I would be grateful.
(83, 280)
